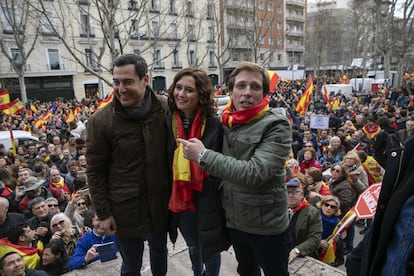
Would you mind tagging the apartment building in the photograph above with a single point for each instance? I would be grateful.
(74, 43)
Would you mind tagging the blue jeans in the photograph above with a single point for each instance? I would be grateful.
(131, 250)
(253, 252)
(187, 223)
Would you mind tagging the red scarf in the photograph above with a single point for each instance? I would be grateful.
(58, 189)
(301, 205)
(187, 175)
(231, 118)
(371, 132)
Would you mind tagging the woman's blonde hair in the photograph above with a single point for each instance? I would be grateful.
(328, 198)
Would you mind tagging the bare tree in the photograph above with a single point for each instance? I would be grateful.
(20, 37)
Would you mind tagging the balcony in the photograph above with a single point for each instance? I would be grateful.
(296, 33)
(159, 65)
(176, 65)
(240, 27)
(295, 47)
(56, 67)
(212, 65)
(84, 2)
(237, 6)
(298, 3)
(295, 17)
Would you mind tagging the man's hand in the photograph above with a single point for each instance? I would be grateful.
(192, 148)
(109, 225)
(91, 254)
(292, 255)
(41, 231)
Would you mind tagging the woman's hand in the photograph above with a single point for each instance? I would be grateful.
(324, 245)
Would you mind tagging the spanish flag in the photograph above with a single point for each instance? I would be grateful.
(107, 100)
(4, 99)
(70, 117)
(336, 103)
(31, 255)
(303, 103)
(33, 108)
(15, 107)
(13, 142)
(326, 95)
(274, 81)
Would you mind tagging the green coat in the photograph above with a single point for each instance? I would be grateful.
(252, 168)
(308, 231)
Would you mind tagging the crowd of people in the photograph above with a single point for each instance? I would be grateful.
(255, 178)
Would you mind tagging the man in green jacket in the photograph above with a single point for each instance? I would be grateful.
(256, 145)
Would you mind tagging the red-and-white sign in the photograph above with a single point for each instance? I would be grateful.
(367, 202)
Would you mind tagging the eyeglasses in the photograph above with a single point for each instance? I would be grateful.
(80, 203)
(308, 146)
(53, 205)
(350, 158)
(60, 223)
(294, 192)
(327, 205)
(336, 170)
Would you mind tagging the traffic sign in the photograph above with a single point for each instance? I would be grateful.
(367, 202)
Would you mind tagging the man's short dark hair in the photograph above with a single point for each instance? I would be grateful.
(141, 67)
(15, 232)
(34, 201)
(2, 260)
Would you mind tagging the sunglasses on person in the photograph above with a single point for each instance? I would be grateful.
(308, 146)
(336, 170)
(53, 205)
(327, 205)
(60, 223)
(80, 204)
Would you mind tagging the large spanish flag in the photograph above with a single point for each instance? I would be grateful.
(31, 255)
(274, 81)
(303, 103)
(107, 100)
(15, 107)
(4, 99)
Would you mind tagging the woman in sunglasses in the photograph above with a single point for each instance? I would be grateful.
(340, 187)
(76, 210)
(329, 212)
(63, 229)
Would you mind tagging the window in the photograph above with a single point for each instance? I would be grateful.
(210, 34)
(261, 41)
(190, 9)
(155, 28)
(154, 5)
(174, 31)
(157, 59)
(235, 56)
(246, 56)
(192, 57)
(279, 57)
(54, 60)
(270, 6)
(176, 60)
(9, 18)
(17, 57)
(270, 41)
(212, 59)
(90, 59)
(210, 11)
(261, 22)
(47, 23)
(261, 5)
(262, 56)
(86, 30)
(191, 34)
(132, 5)
(135, 28)
(173, 9)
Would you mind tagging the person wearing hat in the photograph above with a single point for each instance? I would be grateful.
(305, 224)
(32, 187)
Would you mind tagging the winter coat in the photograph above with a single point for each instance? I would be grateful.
(252, 168)
(211, 225)
(128, 173)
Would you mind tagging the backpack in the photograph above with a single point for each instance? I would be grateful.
(393, 142)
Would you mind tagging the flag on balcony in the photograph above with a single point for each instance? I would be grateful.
(4, 98)
(15, 107)
(303, 103)
(274, 81)
(70, 117)
(106, 101)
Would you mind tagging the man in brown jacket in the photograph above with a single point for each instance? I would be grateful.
(127, 166)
